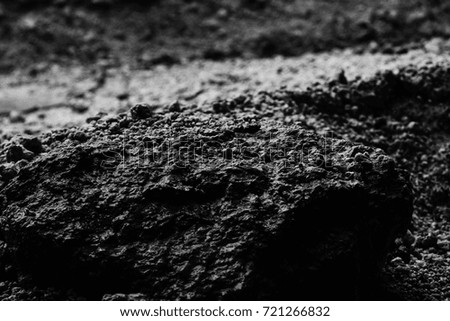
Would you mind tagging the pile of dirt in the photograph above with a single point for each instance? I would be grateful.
(212, 201)
(187, 203)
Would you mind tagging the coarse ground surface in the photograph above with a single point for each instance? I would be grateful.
(229, 203)
(62, 63)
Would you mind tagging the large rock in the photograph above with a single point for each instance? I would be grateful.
(202, 205)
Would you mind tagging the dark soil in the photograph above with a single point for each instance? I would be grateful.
(76, 225)
(225, 203)
(403, 114)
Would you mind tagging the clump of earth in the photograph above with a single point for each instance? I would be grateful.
(209, 169)
(227, 203)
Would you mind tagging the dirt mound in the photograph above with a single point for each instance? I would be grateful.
(225, 203)
(209, 202)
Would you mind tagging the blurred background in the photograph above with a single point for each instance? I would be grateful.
(64, 60)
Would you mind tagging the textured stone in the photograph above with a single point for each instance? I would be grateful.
(288, 215)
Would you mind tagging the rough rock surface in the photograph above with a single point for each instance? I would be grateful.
(225, 203)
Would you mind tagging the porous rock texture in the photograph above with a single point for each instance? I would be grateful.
(218, 202)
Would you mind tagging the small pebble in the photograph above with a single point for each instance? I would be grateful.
(17, 152)
(141, 111)
(397, 260)
(32, 144)
(79, 136)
